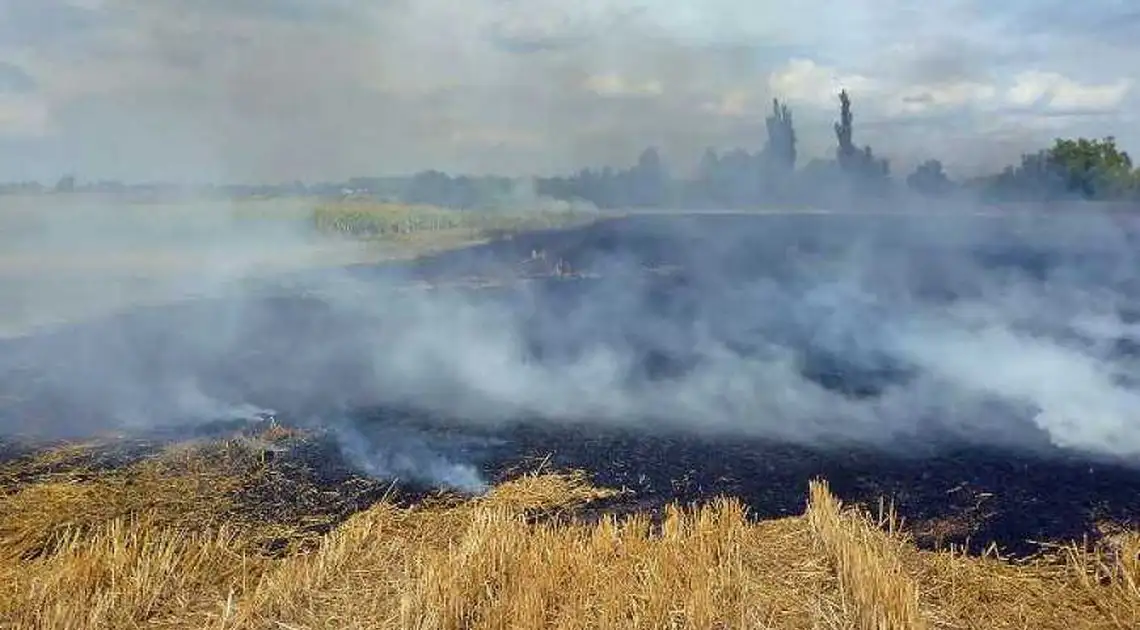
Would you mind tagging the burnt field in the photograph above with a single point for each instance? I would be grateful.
(979, 373)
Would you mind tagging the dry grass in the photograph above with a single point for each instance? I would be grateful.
(165, 543)
(192, 488)
(874, 585)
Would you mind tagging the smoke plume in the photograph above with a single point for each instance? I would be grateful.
(902, 329)
(894, 331)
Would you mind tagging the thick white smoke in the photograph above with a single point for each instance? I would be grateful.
(893, 330)
(818, 330)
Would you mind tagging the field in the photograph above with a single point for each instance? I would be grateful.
(221, 536)
(79, 256)
(423, 225)
(417, 472)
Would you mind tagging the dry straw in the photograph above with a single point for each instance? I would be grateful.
(174, 542)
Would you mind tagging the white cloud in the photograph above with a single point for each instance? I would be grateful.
(804, 81)
(926, 98)
(1058, 92)
(734, 103)
(613, 84)
(807, 82)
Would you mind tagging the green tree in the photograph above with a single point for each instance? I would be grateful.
(1072, 168)
(1093, 169)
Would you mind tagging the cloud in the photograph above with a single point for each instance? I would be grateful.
(260, 90)
(14, 80)
(542, 26)
(733, 103)
(23, 116)
(922, 98)
(618, 85)
(1056, 92)
(804, 81)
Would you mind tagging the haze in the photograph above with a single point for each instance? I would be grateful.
(249, 90)
(996, 331)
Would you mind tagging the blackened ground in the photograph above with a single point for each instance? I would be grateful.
(971, 496)
(277, 345)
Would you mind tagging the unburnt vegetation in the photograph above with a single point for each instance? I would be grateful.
(243, 532)
(394, 221)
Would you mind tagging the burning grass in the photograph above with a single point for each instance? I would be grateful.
(203, 536)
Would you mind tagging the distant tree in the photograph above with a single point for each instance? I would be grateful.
(65, 184)
(645, 184)
(781, 147)
(648, 180)
(440, 189)
(706, 190)
(816, 182)
(868, 173)
(1093, 169)
(709, 164)
(21, 187)
(928, 178)
(845, 153)
(1036, 178)
(1071, 169)
(733, 179)
(876, 169)
(110, 185)
(429, 188)
(820, 170)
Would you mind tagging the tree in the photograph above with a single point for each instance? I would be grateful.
(65, 184)
(1093, 169)
(648, 180)
(928, 178)
(645, 184)
(781, 147)
(869, 174)
(1080, 168)
(844, 131)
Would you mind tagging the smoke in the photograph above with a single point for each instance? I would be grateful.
(914, 328)
(397, 453)
(893, 330)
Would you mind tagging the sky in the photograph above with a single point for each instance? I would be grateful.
(278, 90)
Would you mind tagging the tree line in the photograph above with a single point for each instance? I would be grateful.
(1087, 169)
(1070, 169)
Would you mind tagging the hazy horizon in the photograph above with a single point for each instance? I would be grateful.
(255, 91)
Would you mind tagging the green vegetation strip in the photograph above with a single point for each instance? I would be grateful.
(374, 220)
